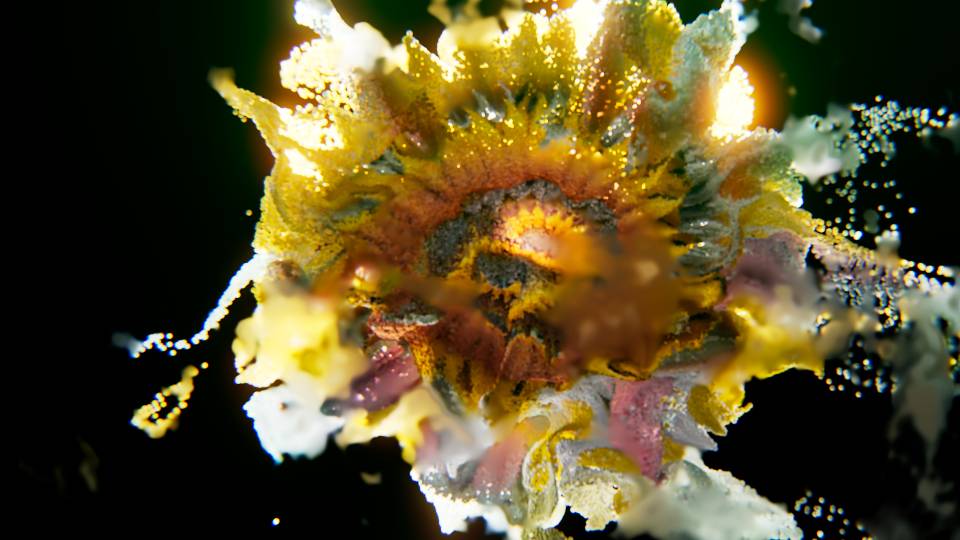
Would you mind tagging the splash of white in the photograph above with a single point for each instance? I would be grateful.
(800, 25)
(289, 422)
(360, 47)
(321, 17)
(743, 24)
(822, 146)
(695, 501)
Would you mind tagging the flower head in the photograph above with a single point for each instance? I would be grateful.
(546, 259)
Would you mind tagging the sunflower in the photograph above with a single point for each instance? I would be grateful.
(546, 259)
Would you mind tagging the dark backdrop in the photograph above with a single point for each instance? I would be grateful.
(158, 175)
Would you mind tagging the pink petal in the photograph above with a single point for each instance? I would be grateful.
(635, 421)
(392, 373)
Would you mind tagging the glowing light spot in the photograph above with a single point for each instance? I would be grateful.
(734, 105)
(585, 16)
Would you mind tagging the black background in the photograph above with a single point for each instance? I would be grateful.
(150, 185)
